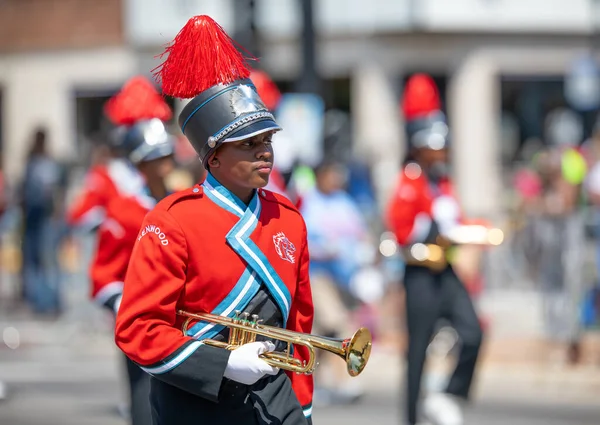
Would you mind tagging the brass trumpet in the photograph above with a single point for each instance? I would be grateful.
(434, 255)
(475, 234)
(355, 351)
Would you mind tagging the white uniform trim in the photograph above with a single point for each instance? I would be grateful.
(233, 305)
(223, 199)
(307, 412)
(239, 236)
(118, 303)
(92, 218)
(421, 228)
(110, 290)
(175, 361)
(113, 226)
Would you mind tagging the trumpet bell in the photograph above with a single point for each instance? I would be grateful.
(358, 351)
(355, 351)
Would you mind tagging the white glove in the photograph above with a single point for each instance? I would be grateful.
(244, 365)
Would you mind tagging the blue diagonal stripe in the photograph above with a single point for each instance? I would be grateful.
(239, 240)
(223, 197)
(239, 297)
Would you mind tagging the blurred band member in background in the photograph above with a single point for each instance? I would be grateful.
(117, 196)
(423, 209)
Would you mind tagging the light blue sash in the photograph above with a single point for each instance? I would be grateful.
(258, 270)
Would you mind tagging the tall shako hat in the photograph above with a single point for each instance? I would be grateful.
(139, 112)
(426, 125)
(204, 65)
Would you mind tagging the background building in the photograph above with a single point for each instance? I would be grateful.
(481, 50)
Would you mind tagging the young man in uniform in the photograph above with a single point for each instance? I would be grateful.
(423, 209)
(222, 246)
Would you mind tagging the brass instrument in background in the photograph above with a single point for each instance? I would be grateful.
(428, 255)
(355, 351)
(435, 255)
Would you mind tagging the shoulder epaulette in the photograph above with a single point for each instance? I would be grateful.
(193, 192)
(267, 195)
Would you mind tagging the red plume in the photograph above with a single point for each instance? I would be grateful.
(421, 97)
(201, 56)
(137, 100)
(266, 88)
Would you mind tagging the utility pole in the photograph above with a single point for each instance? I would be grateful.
(309, 81)
(245, 33)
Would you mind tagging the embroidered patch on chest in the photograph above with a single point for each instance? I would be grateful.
(284, 247)
(152, 229)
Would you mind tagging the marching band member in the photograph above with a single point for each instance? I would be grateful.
(137, 107)
(221, 246)
(118, 196)
(137, 100)
(88, 209)
(424, 209)
(150, 149)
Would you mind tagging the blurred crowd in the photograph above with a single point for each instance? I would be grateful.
(556, 223)
(356, 265)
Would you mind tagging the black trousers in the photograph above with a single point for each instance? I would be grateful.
(430, 297)
(271, 401)
(139, 394)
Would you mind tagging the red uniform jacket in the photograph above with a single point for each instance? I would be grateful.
(116, 239)
(89, 208)
(416, 204)
(113, 200)
(201, 250)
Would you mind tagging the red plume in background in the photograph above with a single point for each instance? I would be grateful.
(421, 97)
(137, 100)
(266, 88)
(201, 55)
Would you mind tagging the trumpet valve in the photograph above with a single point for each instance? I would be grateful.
(234, 334)
(303, 365)
(253, 324)
(246, 336)
(242, 337)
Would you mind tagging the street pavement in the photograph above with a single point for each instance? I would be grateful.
(67, 373)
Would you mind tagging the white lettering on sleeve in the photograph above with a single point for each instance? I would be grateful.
(151, 228)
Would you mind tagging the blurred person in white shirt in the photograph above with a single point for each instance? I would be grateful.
(339, 246)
